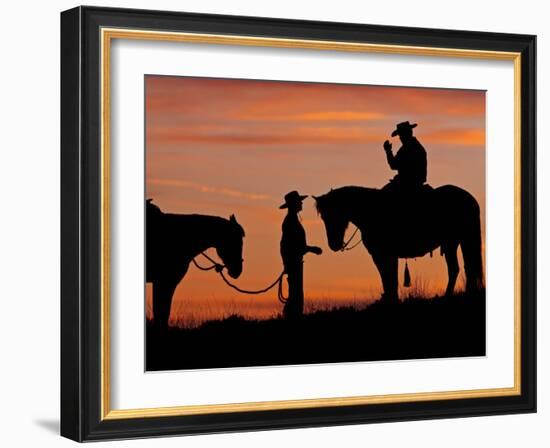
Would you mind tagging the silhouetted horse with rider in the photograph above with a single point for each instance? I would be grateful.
(407, 218)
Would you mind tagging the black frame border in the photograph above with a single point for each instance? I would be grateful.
(81, 223)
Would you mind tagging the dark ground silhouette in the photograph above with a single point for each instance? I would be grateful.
(411, 329)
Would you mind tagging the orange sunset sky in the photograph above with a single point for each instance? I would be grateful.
(219, 146)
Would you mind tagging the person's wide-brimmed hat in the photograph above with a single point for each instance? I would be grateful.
(405, 126)
(292, 198)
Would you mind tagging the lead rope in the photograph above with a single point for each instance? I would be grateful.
(219, 269)
(407, 276)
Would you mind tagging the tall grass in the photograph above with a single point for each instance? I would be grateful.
(192, 312)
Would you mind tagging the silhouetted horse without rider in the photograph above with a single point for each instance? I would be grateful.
(173, 241)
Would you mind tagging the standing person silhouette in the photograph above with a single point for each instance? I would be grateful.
(410, 161)
(293, 249)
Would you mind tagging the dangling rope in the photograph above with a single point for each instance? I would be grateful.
(255, 291)
(280, 294)
(347, 243)
(219, 269)
(407, 276)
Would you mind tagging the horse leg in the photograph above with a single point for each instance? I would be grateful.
(387, 267)
(471, 254)
(163, 291)
(452, 267)
(393, 264)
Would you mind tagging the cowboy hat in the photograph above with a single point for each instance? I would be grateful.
(292, 198)
(402, 127)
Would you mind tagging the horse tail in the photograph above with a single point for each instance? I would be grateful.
(471, 251)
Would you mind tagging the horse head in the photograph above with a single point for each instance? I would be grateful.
(332, 211)
(230, 250)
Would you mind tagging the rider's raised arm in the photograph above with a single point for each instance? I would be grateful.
(389, 155)
(392, 160)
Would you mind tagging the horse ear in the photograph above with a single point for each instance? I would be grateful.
(233, 220)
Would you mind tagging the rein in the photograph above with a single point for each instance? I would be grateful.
(347, 243)
(219, 269)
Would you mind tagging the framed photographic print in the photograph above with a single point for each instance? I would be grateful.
(273, 224)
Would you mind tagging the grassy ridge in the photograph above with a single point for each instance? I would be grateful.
(412, 329)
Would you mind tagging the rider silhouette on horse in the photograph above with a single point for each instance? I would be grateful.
(410, 161)
(406, 201)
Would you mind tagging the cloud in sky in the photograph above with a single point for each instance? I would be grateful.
(203, 188)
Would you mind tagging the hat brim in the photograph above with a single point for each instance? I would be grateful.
(397, 131)
(285, 205)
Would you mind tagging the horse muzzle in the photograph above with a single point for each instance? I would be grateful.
(234, 273)
(336, 246)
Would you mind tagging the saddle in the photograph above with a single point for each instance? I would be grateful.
(406, 208)
(406, 194)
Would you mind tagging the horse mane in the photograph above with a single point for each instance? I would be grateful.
(209, 221)
(343, 196)
(154, 211)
